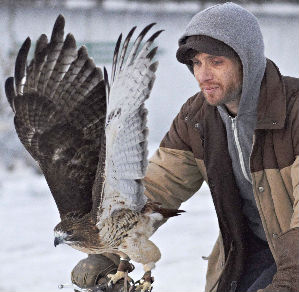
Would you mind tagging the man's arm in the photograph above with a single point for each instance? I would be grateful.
(173, 175)
(287, 244)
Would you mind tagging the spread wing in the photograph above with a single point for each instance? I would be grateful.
(132, 79)
(59, 103)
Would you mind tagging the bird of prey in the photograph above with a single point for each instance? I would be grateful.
(89, 137)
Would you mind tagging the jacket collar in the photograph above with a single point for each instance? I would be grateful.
(271, 110)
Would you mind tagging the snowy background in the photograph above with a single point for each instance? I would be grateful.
(28, 259)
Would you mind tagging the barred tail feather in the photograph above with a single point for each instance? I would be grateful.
(155, 207)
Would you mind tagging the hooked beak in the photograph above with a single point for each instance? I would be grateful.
(57, 241)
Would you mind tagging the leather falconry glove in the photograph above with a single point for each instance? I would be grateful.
(286, 278)
(94, 269)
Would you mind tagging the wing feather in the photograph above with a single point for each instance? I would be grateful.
(60, 108)
(54, 50)
(71, 74)
(67, 55)
(71, 96)
(115, 57)
(126, 130)
(34, 69)
(20, 68)
(136, 44)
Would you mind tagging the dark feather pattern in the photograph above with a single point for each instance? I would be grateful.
(54, 50)
(124, 49)
(60, 109)
(71, 95)
(115, 57)
(107, 86)
(65, 58)
(20, 69)
(156, 207)
(38, 61)
(71, 74)
(137, 42)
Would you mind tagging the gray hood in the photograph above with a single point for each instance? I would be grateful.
(239, 29)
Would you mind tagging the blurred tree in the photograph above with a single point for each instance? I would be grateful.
(100, 2)
(53, 3)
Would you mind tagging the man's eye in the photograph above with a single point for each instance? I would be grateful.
(217, 62)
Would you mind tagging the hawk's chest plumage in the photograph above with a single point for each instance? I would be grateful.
(115, 228)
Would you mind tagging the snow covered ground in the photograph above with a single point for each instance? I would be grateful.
(29, 261)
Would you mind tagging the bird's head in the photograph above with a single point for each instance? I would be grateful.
(80, 233)
(66, 232)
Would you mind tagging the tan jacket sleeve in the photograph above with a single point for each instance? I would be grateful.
(295, 166)
(295, 183)
(173, 175)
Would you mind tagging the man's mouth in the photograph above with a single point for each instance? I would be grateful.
(210, 89)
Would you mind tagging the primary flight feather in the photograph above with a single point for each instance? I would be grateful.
(89, 137)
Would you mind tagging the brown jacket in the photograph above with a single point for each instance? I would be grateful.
(195, 150)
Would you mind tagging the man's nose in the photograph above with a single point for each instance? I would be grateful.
(203, 73)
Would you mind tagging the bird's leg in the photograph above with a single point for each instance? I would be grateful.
(145, 284)
(123, 269)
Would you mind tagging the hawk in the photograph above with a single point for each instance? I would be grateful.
(89, 137)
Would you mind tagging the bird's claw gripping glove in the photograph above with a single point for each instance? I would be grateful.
(93, 270)
(286, 278)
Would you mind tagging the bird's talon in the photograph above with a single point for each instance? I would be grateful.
(114, 278)
(110, 283)
(143, 286)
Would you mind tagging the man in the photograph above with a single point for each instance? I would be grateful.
(240, 134)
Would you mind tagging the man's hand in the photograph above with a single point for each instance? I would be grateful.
(286, 278)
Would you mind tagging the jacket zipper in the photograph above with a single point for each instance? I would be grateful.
(241, 158)
(233, 286)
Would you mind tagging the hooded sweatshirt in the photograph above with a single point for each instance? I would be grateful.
(239, 29)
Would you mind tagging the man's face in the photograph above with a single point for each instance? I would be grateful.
(220, 78)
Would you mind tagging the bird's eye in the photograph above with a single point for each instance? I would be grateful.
(70, 232)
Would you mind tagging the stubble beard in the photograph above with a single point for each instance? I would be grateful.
(232, 94)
